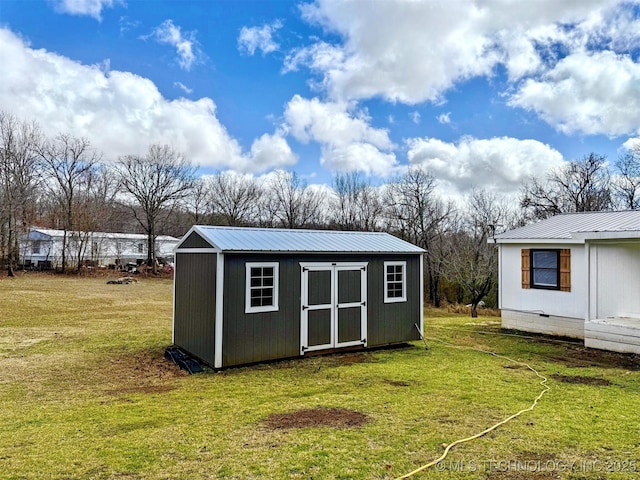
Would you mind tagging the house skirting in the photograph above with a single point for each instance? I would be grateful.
(615, 334)
(540, 323)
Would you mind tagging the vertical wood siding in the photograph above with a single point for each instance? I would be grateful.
(194, 241)
(390, 323)
(256, 337)
(194, 304)
(319, 329)
(350, 286)
(319, 287)
(349, 324)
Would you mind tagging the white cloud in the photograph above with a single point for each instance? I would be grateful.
(348, 141)
(91, 8)
(320, 56)
(185, 43)
(119, 112)
(592, 93)
(126, 24)
(270, 151)
(444, 118)
(630, 144)
(412, 52)
(183, 87)
(259, 38)
(415, 117)
(359, 156)
(332, 123)
(496, 164)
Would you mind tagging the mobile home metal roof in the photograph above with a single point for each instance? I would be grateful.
(570, 226)
(244, 239)
(49, 232)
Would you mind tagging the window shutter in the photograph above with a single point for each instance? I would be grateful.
(526, 268)
(565, 270)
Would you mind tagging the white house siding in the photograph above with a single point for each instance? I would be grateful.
(542, 311)
(615, 280)
(45, 245)
(615, 297)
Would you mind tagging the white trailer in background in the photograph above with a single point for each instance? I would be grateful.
(41, 248)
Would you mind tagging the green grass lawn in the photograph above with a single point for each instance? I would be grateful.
(86, 393)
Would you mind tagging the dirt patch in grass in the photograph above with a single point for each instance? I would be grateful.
(147, 389)
(514, 366)
(146, 371)
(577, 356)
(581, 380)
(349, 358)
(397, 383)
(317, 417)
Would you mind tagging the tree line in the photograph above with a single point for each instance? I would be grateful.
(64, 183)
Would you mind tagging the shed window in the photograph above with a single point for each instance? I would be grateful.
(395, 282)
(261, 287)
(547, 269)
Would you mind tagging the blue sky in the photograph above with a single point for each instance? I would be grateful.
(482, 94)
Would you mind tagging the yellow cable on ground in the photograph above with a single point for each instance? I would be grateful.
(543, 382)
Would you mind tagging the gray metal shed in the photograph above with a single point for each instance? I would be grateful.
(246, 295)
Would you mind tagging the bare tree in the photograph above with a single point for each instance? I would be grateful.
(196, 202)
(291, 203)
(69, 163)
(627, 184)
(418, 216)
(94, 214)
(471, 261)
(579, 186)
(357, 205)
(156, 182)
(233, 197)
(19, 177)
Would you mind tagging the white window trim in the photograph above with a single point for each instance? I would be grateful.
(403, 298)
(276, 287)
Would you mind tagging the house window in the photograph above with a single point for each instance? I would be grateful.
(261, 287)
(547, 269)
(395, 282)
(35, 247)
(141, 248)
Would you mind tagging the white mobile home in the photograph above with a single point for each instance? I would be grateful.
(575, 275)
(42, 247)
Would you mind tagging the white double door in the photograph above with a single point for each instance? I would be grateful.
(334, 305)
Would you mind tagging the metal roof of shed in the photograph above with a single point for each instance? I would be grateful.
(246, 239)
(574, 225)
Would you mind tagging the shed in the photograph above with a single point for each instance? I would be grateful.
(575, 275)
(246, 295)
